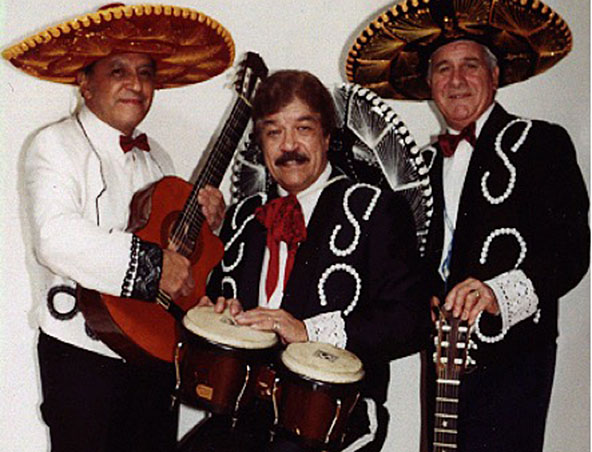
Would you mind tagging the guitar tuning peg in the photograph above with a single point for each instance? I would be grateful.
(473, 345)
(471, 361)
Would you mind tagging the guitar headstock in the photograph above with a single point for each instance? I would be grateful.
(453, 342)
(252, 70)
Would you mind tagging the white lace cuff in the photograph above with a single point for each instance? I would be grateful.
(516, 299)
(328, 327)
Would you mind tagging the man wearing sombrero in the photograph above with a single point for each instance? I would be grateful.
(510, 233)
(80, 176)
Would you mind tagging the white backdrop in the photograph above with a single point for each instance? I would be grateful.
(315, 36)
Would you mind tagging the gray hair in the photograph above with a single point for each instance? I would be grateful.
(490, 58)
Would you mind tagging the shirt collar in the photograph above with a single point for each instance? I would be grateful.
(103, 137)
(308, 198)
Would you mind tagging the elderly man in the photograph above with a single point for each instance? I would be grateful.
(510, 247)
(510, 235)
(80, 176)
(319, 257)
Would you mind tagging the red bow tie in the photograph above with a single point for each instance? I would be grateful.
(449, 142)
(127, 143)
(284, 221)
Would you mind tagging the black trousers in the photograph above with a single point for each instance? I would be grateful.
(93, 403)
(253, 432)
(503, 408)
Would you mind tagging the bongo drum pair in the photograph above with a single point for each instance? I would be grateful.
(223, 367)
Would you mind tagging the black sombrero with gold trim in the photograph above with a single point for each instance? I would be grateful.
(187, 46)
(391, 55)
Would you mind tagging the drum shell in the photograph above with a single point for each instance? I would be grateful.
(308, 408)
(219, 377)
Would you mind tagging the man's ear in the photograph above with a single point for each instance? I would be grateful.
(495, 75)
(326, 144)
(82, 82)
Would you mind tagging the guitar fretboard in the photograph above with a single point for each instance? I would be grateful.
(446, 415)
(450, 357)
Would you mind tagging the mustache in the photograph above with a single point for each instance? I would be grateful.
(290, 156)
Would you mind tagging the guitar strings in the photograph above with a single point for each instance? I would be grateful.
(448, 392)
(192, 217)
(215, 166)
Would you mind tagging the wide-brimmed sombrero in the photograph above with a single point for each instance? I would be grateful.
(391, 55)
(187, 46)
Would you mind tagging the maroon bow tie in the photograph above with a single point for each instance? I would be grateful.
(127, 143)
(449, 142)
(284, 221)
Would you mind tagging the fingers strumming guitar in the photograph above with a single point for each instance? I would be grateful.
(176, 279)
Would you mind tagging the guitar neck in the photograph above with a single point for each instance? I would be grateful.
(451, 357)
(189, 225)
(223, 150)
(446, 413)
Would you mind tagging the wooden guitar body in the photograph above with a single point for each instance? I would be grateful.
(140, 330)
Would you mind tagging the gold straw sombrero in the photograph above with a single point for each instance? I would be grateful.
(187, 46)
(391, 55)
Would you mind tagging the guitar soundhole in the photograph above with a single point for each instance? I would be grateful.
(183, 244)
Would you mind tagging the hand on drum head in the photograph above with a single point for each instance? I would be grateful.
(222, 304)
(286, 326)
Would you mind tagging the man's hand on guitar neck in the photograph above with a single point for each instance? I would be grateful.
(467, 299)
(212, 205)
(176, 279)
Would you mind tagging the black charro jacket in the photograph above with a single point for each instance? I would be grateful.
(376, 286)
(548, 207)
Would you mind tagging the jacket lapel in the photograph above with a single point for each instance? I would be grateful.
(471, 198)
(251, 272)
(300, 285)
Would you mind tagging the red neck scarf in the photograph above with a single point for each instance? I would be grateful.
(284, 221)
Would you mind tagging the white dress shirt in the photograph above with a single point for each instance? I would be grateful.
(308, 200)
(454, 172)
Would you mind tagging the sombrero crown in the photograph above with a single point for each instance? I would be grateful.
(391, 55)
(187, 46)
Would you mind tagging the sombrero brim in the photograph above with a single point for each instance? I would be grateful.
(391, 55)
(187, 46)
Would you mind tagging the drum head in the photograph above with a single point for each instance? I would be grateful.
(323, 362)
(222, 329)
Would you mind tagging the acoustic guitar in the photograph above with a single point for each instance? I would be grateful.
(451, 359)
(168, 213)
